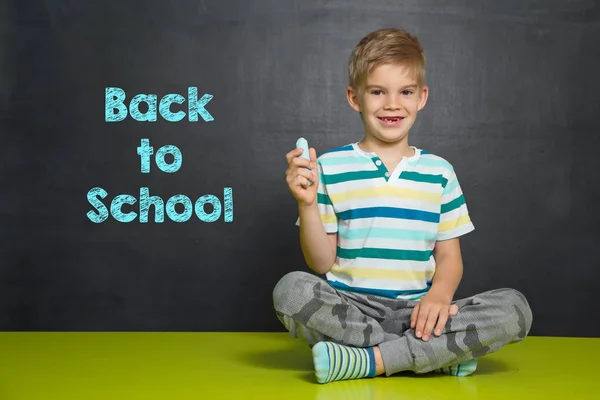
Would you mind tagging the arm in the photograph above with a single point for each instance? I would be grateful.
(319, 247)
(449, 269)
(432, 312)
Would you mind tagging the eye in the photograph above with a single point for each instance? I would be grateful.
(376, 92)
(407, 92)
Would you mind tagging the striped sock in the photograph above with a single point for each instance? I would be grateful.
(462, 369)
(335, 362)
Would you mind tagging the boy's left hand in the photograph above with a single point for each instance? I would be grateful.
(431, 314)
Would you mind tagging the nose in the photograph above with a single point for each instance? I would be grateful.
(392, 102)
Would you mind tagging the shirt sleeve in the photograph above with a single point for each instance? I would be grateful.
(454, 215)
(324, 204)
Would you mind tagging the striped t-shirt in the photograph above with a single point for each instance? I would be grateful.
(388, 221)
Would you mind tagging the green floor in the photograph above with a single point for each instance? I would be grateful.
(181, 366)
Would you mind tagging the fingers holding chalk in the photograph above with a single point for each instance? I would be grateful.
(307, 154)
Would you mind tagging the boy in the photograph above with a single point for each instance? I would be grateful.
(382, 220)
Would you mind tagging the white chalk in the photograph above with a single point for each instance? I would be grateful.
(303, 144)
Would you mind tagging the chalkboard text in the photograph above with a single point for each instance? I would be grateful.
(116, 111)
(145, 151)
(179, 207)
(199, 208)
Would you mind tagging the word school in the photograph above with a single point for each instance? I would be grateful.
(95, 195)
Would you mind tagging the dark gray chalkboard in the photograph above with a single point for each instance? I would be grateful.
(513, 106)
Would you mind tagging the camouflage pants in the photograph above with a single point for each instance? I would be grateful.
(314, 311)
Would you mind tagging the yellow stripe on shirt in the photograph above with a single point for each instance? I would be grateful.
(385, 191)
(454, 223)
(328, 218)
(382, 274)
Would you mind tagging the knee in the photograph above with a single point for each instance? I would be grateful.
(289, 290)
(518, 312)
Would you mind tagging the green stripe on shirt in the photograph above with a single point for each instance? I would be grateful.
(323, 199)
(426, 178)
(454, 204)
(351, 176)
(385, 254)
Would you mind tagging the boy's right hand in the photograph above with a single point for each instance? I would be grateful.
(297, 177)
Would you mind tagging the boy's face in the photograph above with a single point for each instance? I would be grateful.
(388, 100)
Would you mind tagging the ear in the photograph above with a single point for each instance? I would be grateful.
(352, 96)
(423, 96)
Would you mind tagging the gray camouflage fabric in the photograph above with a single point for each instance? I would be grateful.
(313, 311)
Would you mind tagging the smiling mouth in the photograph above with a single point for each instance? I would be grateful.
(390, 121)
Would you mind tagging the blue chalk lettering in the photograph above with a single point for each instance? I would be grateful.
(114, 101)
(196, 106)
(228, 200)
(145, 151)
(146, 201)
(117, 203)
(160, 158)
(210, 199)
(134, 107)
(116, 110)
(165, 107)
(187, 212)
(97, 204)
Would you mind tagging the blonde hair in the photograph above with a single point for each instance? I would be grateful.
(386, 46)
